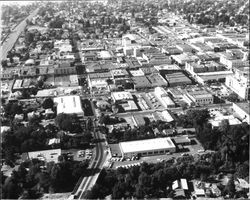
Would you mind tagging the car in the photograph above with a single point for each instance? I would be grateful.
(184, 154)
(80, 155)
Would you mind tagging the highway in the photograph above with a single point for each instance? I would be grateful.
(13, 36)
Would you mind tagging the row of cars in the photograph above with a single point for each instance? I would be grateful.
(87, 154)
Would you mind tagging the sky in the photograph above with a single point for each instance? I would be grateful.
(15, 2)
(20, 2)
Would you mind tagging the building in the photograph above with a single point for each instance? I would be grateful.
(136, 73)
(231, 60)
(183, 140)
(69, 104)
(157, 80)
(185, 48)
(201, 67)
(17, 85)
(177, 79)
(46, 155)
(200, 97)
(180, 184)
(129, 106)
(147, 147)
(162, 95)
(141, 82)
(205, 77)
(121, 96)
(243, 111)
(183, 58)
(239, 82)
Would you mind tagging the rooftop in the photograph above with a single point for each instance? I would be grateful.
(145, 145)
(68, 104)
(244, 106)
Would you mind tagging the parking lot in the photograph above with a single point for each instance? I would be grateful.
(79, 155)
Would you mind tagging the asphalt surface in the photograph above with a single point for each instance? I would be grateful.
(13, 36)
(95, 167)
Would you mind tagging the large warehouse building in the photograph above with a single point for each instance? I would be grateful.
(68, 104)
(147, 147)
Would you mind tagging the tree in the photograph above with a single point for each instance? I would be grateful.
(48, 103)
(4, 63)
(25, 94)
(104, 119)
(233, 97)
(230, 188)
(224, 126)
(242, 171)
(13, 109)
(68, 122)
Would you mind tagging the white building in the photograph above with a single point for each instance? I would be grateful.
(232, 61)
(240, 82)
(243, 111)
(121, 96)
(68, 104)
(147, 147)
(46, 155)
(162, 95)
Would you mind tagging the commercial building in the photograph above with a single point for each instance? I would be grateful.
(162, 95)
(201, 67)
(203, 78)
(138, 72)
(17, 85)
(183, 58)
(239, 82)
(121, 96)
(141, 82)
(200, 96)
(231, 60)
(46, 155)
(147, 147)
(243, 111)
(177, 79)
(183, 140)
(69, 104)
(129, 106)
(157, 80)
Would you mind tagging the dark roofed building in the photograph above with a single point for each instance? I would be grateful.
(178, 78)
(141, 82)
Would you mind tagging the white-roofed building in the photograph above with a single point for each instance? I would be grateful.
(162, 95)
(121, 96)
(182, 184)
(147, 147)
(46, 155)
(4, 129)
(166, 115)
(138, 72)
(69, 104)
(129, 106)
(105, 55)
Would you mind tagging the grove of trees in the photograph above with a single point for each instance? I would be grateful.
(34, 177)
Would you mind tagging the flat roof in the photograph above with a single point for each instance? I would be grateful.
(69, 104)
(46, 155)
(146, 145)
(122, 96)
(244, 106)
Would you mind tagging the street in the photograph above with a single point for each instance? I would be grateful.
(95, 167)
(12, 38)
